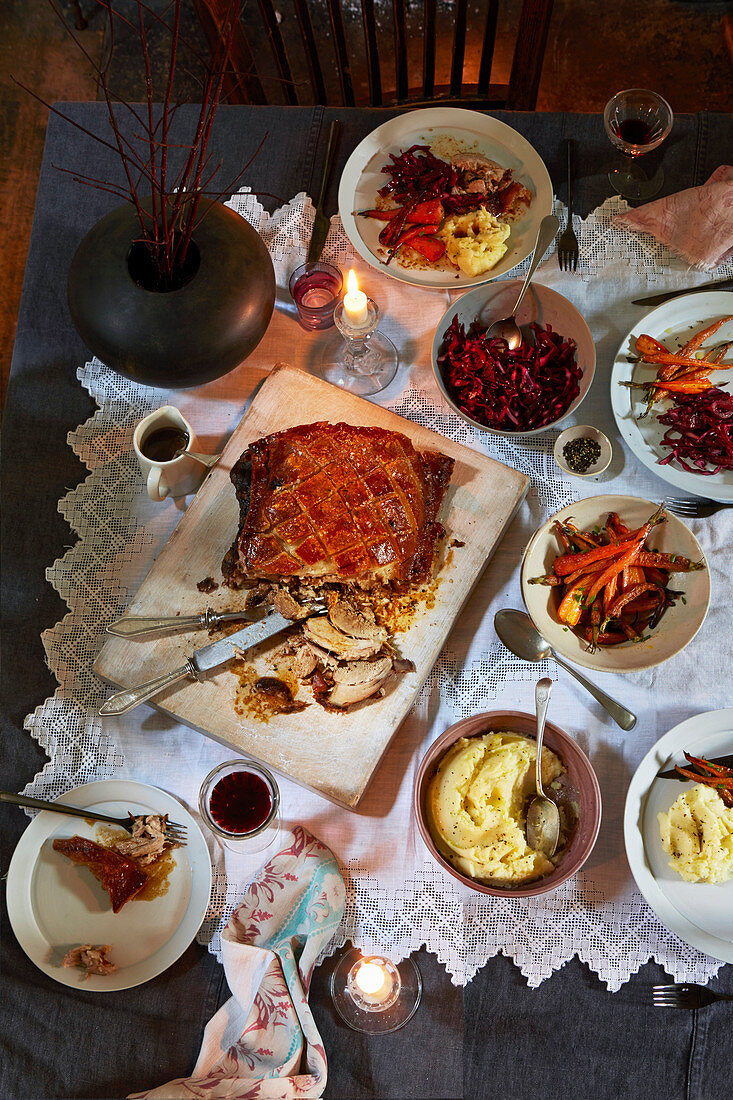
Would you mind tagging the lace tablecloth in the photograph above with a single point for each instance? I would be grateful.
(397, 898)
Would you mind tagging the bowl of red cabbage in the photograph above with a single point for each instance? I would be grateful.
(524, 391)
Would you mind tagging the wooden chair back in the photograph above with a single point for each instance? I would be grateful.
(313, 51)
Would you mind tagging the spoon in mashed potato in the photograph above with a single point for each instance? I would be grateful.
(543, 816)
(507, 328)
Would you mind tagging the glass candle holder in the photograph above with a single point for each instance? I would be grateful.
(315, 289)
(366, 361)
(240, 803)
(374, 995)
(636, 122)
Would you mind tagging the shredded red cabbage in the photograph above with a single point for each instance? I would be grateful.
(700, 429)
(418, 172)
(512, 391)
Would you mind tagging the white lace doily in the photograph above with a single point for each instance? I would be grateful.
(398, 899)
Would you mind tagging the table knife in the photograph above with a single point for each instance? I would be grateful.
(724, 761)
(200, 662)
(322, 223)
(657, 299)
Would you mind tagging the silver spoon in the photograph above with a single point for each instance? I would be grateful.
(205, 460)
(507, 328)
(522, 638)
(543, 816)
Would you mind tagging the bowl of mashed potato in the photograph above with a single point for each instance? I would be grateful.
(471, 795)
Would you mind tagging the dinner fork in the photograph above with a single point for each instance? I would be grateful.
(173, 831)
(686, 996)
(695, 507)
(567, 246)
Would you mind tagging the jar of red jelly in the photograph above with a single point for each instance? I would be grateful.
(240, 802)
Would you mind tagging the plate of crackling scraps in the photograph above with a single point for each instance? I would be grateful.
(63, 916)
(444, 197)
(687, 824)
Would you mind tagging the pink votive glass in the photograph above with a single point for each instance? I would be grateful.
(316, 289)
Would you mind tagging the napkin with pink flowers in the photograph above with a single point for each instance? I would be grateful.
(263, 1043)
(697, 224)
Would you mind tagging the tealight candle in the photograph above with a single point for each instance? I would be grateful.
(356, 306)
(374, 984)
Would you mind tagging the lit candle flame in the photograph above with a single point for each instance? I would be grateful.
(370, 977)
(356, 307)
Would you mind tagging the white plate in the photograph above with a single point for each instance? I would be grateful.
(672, 324)
(362, 177)
(699, 913)
(54, 905)
(541, 305)
(678, 626)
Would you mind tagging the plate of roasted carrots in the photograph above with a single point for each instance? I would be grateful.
(616, 583)
(672, 393)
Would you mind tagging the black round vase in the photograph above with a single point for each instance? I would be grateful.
(174, 338)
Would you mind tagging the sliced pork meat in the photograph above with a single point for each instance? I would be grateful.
(92, 959)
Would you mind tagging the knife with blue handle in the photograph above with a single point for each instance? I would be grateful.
(201, 662)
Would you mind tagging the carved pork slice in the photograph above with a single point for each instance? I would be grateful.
(121, 877)
(91, 959)
(335, 502)
(356, 621)
(325, 634)
(356, 681)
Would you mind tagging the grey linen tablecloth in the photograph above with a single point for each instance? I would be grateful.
(567, 1039)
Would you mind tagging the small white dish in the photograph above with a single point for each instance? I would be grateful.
(584, 431)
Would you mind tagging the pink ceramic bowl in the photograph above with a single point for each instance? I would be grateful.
(579, 784)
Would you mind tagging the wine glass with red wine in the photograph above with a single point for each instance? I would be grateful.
(637, 121)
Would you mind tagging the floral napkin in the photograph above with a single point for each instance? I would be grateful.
(697, 223)
(263, 1043)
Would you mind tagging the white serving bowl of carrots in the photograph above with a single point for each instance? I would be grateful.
(622, 604)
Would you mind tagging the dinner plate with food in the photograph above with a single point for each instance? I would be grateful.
(444, 197)
(97, 908)
(615, 583)
(679, 831)
(671, 393)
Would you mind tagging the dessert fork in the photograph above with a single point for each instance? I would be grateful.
(695, 507)
(686, 996)
(173, 831)
(567, 246)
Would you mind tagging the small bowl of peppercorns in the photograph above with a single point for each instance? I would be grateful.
(583, 451)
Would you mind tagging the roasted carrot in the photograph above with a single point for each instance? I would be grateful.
(616, 567)
(632, 594)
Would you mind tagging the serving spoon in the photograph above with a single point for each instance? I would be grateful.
(543, 816)
(507, 328)
(205, 460)
(522, 638)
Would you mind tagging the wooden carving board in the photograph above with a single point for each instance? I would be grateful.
(335, 754)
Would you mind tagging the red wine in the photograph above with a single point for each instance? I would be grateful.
(634, 131)
(240, 802)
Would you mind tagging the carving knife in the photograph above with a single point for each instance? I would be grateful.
(657, 299)
(322, 223)
(724, 761)
(201, 662)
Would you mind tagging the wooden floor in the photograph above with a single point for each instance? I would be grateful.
(594, 48)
